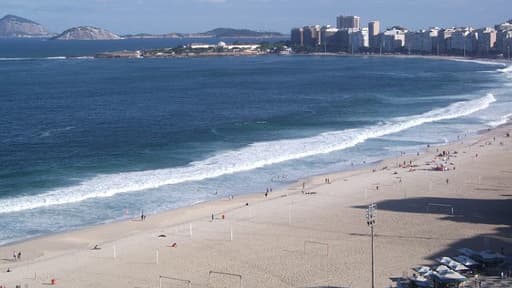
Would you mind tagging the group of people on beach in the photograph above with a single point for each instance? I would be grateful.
(269, 190)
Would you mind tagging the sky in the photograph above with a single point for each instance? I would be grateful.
(163, 16)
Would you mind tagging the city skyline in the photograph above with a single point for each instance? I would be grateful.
(159, 16)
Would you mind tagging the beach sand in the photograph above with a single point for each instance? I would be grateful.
(294, 239)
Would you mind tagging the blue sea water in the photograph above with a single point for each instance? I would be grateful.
(88, 141)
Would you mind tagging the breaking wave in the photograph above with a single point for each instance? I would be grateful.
(478, 61)
(503, 120)
(251, 157)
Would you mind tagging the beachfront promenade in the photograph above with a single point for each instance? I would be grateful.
(318, 238)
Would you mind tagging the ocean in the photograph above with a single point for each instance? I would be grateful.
(90, 141)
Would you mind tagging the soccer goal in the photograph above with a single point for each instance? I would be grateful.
(316, 248)
(171, 282)
(224, 280)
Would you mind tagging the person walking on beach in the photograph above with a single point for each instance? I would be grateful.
(14, 256)
(19, 255)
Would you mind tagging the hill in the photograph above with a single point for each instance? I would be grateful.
(234, 33)
(86, 33)
(18, 27)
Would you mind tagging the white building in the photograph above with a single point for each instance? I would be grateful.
(312, 35)
(503, 35)
(202, 46)
(393, 39)
(326, 32)
(224, 46)
(358, 39)
(423, 41)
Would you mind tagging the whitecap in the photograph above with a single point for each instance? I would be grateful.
(251, 157)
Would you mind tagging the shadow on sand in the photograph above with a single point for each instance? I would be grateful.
(478, 211)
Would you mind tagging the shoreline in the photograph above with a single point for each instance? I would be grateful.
(120, 217)
(491, 61)
(357, 167)
(132, 54)
(50, 247)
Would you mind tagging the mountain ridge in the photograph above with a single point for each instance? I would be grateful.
(86, 33)
(12, 26)
(220, 32)
(233, 32)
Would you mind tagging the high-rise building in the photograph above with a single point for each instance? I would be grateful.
(444, 40)
(373, 32)
(423, 41)
(393, 40)
(358, 39)
(461, 41)
(366, 38)
(327, 32)
(297, 36)
(507, 46)
(503, 35)
(485, 40)
(312, 36)
(348, 22)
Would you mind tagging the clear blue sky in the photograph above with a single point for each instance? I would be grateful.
(160, 16)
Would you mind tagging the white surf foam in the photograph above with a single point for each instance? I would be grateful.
(56, 58)
(35, 58)
(506, 69)
(503, 120)
(253, 156)
(478, 61)
(14, 59)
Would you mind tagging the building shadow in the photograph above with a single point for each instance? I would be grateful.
(478, 211)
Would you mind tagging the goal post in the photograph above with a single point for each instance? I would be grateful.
(171, 282)
(310, 246)
(224, 280)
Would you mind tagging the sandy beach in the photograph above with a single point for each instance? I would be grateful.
(294, 239)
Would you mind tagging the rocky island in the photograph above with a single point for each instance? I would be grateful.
(86, 33)
(12, 26)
